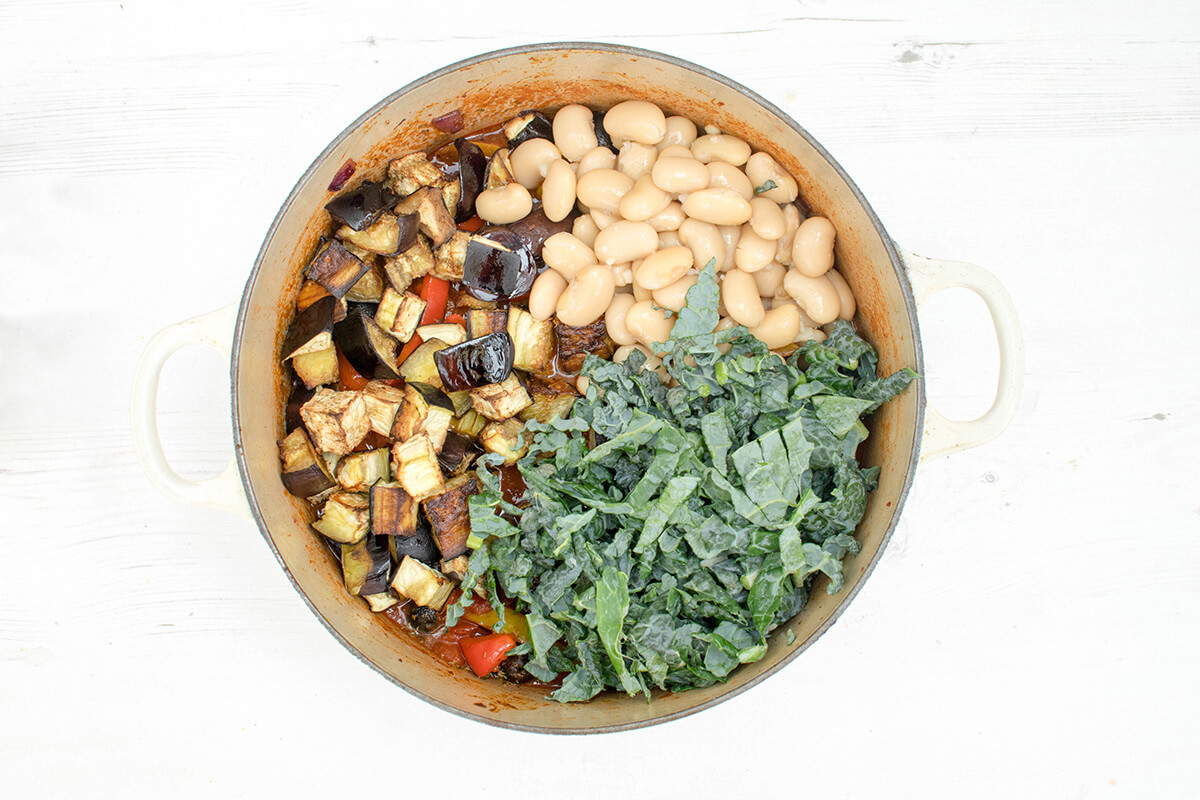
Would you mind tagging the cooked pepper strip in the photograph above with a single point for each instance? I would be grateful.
(484, 653)
(436, 293)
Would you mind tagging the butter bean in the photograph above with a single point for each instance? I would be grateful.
(596, 158)
(585, 229)
(669, 219)
(635, 120)
(718, 206)
(753, 252)
(664, 267)
(730, 234)
(674, 296)
(791, 222)
(766, 217)
(680, 175)
(727, 176)
(602, 189)
(543, 297)
(623, 275)
(558, 190)
(742, 302)
(845, 295)
(504, 204)
(614, 319)
(721, 147)
(530, 160)
(812, 249)
(625, 241)
(762, 168)
(636, 160)
(643, 201)
(567, 254)
(817, 297)
(649, 325)
(587, 296)
(676, 151)
(603, 219)
(640, 293)
(779, 326)
(681, 131)
(770, 279)
(704, 240)
(574, 132)
(668, 239)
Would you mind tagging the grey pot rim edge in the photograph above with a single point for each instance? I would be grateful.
(897, 266)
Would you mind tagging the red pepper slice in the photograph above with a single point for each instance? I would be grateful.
(470, 225)
(436, 293)
(348, 376)
(484, 653)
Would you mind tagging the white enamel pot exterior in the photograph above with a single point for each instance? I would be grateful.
(489, 89)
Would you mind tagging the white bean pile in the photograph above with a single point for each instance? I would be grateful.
(656, 212)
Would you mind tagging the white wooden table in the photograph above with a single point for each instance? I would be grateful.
(1032, 631)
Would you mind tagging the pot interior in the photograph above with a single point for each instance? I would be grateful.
(488, 90)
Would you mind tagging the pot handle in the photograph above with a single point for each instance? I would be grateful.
(929, 276)
(223, 491)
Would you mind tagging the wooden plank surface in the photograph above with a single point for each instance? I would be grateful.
(1031, 630)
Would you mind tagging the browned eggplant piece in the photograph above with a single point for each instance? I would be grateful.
(475, 362)
(317, 369)
(427, 410)
(368, 347)
(410, 172)
(505, 438)
(499, 401)
(312, 329)
(345, 517)
(415, 465)
(366, 566)
(357, 472)
(574, 344)
(387, 236)
(458, 452)
(424, 585)
(449, 516)
(530, 125)
(420, 545)
(360, 207)
(369, 288)
(535, 228)
(448, 260)
(413, 263)
(420, 366)
(399, 313)
(336, 268)
(304, 472)
(382, 401)
(482, 321)
(300, 395)
(602, 137)
(552, 398)
(499, 170)
(533, 341)
(432, 217)
(498, 265)
(336, 421)
(472, 165)
(393, 511)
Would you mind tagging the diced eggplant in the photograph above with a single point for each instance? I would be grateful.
(411, 264)
(366, 566)
(552, 399)
(387, 236)
(432, 217)
(301, 394)
(345, 518)
(449, 332)
(317, 369)
(499, 170)
(449, 259)
(455, 568)
(399, 313)
(415, 465)
(482, 321)
(535, 228)
(506, 438)
(368, 347)
(423, 585)
(381, 601)
(432, 395)
(304, 472)
(369, 288)
(312, 329)
(472, 164)
(498, 265)
(530, 125)
(574, 344)
(451, 192)
(357, 472)
(421, 365)
(426, 410)
(393, 511)
(458, 452)
(469, 424)
(461, 401)
(336, 421)
(449, 516)
(499, 401)
(410, 172)
(420, 545)
(310, 292)
(335, 268)
(533, 341)
(603, 139)
(360, 207)
(382, 401)
(475, 362)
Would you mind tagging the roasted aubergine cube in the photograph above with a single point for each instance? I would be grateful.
(423, 585)
(383, 401)
(552, 398)
(499, 401)
(335, 268)
(575, 344)
(530, 125)
(449, 259)
(475, 362)
(387, 236)
(427, 410)
(499, 170)
(360, 207)
(415, 465)
(366, 566)
(345, 517)
(506, 438)
(433, 219)
(399, 313)
(312, 329)
(369, 288)
(533, 341)
(304, 472)
(381, 601)
(449, 516)
(317, 369)
(357, 472)
(472, 165)
(336, 421)
(393, 510)
(449, 332)
(457, 453)
(368, 347)
(410, 172)
(482, 321)
(469, 424)
(413, 263)
(421, 546)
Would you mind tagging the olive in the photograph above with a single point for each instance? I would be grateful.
(499, 264)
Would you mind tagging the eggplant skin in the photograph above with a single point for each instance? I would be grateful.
(472, 165)
(336, 268)
(450, 517)
(575, 344)
(304, 472)
(393, 511)
(420, 546)
(307, 331)
(475, 362)
(360, 207)
(369, 348)
(529, 125)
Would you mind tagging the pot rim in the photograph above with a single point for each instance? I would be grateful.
(637, 52)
